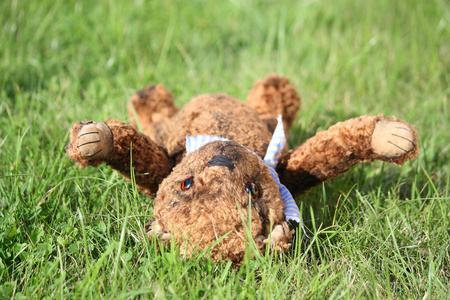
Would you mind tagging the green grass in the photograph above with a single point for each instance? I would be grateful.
(379, 231)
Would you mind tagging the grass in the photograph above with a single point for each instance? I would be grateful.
(379, 231)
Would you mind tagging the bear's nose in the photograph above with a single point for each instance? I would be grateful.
(221, 160)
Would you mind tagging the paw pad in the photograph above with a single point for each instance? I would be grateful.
(392, 139)
(95, 141)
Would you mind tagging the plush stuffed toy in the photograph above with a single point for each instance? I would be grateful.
(219, 168)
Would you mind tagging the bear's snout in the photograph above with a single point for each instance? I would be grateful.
(221, 160)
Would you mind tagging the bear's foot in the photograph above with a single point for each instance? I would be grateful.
(152, 108)
(272, 96)
(392, 139)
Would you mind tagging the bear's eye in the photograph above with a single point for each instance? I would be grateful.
(251, 188)
(187, 183)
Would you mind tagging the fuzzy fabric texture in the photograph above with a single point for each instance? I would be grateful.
(152, 107)
(129, 148)
(275, 96)
(208, 197)
(333, 152)
(219, 115)
(215, 206)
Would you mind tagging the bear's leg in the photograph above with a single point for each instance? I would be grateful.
(273, 96)
(334, 151)
(123, 148)
(151, 109)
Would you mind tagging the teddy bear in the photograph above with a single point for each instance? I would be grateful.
(219, 170)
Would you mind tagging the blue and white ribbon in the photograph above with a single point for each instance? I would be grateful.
(195, 142)
(276, 146)
(274, 150)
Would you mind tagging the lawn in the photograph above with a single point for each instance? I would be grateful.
(379, 231)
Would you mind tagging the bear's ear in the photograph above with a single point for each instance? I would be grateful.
(334, 151)
(154, 229)
(280, 237)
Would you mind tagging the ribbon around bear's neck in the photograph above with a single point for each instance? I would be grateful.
(274, 150)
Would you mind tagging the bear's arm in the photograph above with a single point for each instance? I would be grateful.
(334, 151)
(124, 149)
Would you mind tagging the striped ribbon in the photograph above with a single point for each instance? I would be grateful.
(197, 141)
(274, 150)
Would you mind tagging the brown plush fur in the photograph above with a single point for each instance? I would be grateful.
(275, 96)
(220, 115)
(217, 206)
(333, 152)
(153, 108)
(204, 197)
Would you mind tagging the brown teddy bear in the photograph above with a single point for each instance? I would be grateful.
(219, 167)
